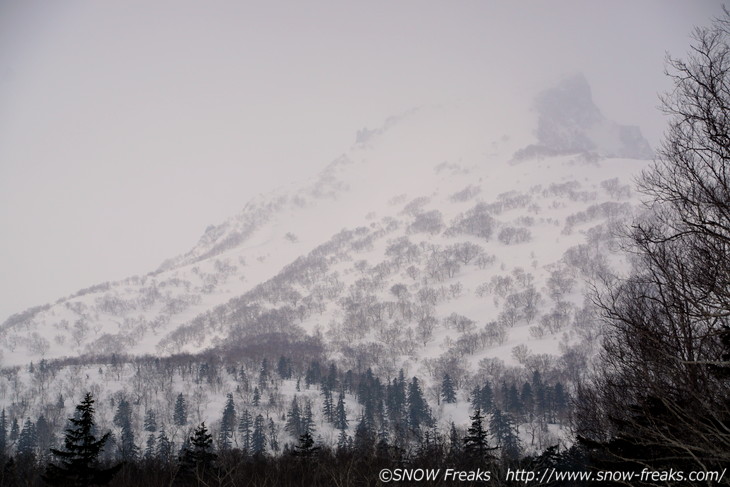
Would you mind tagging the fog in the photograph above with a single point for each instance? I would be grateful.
(128, 127)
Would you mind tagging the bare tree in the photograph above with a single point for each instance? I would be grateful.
(665, 386)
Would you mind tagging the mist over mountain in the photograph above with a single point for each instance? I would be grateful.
(569, 122)
(422, 251)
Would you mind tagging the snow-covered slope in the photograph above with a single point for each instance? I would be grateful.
(452, 241)
(424, 222)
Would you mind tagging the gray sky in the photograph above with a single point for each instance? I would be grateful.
(128, 126)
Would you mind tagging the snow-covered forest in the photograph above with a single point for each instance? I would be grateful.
(547, 295)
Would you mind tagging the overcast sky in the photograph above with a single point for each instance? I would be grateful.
(127, 127)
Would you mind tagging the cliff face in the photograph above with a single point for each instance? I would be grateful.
(569, 122)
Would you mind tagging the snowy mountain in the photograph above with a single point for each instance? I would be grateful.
(431, 179)
(451, 240)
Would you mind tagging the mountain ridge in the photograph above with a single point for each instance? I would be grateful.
(418, 176)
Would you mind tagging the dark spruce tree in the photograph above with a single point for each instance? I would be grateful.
(28, 440)
(284, 368)
(364, 440)
(197, 459)
(341, 413)
(343, 443)
(78, 463)
(44, 437)
(306, 448)
(228, 423)
(483, 398)
(513, 402)
(504, 432)
(307, 422)
(448, 392)
(164, 448)
(328, 409)
(455, 443)
(245, 426)
(150, 421)
(273, 437)
(258, 438)
(180, 414)
(418, 411)
(294, 419)
(528, 401)
(476, 445)
(151, 448)
(395, 398)
(123, 419)
(264, 375)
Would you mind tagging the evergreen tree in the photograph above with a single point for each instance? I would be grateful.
(455, 442)
(328, 409)
(418, 411)
(228, 423)
(487, 397)
(28, 440)
(273, 437)
(123, 415)
(284, 368)
(560, 399)
(504, 432)
(343, 442)
(313, 374)
(305, 448)
(79, 464)
(431, 445)
(364, 437)
(180, 414)
(528, 400)
(151, 449)
(476, 445)
(258, 438)
(448, 393)
(245, 426)
(150, 421)
(538, 390)
(331, 380)
(294, 419)
(44, 437)
(550, 403)
(256, 397)
(243, 379)
(14, 430)
(128, 448)
(273, 398)
(475, 397)
(164, 447)
(264, 375)
(396, 398)
(307, 422)
(341, 413)
(512, 402)
(370, 395)
(197, 457)
(123, 419)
